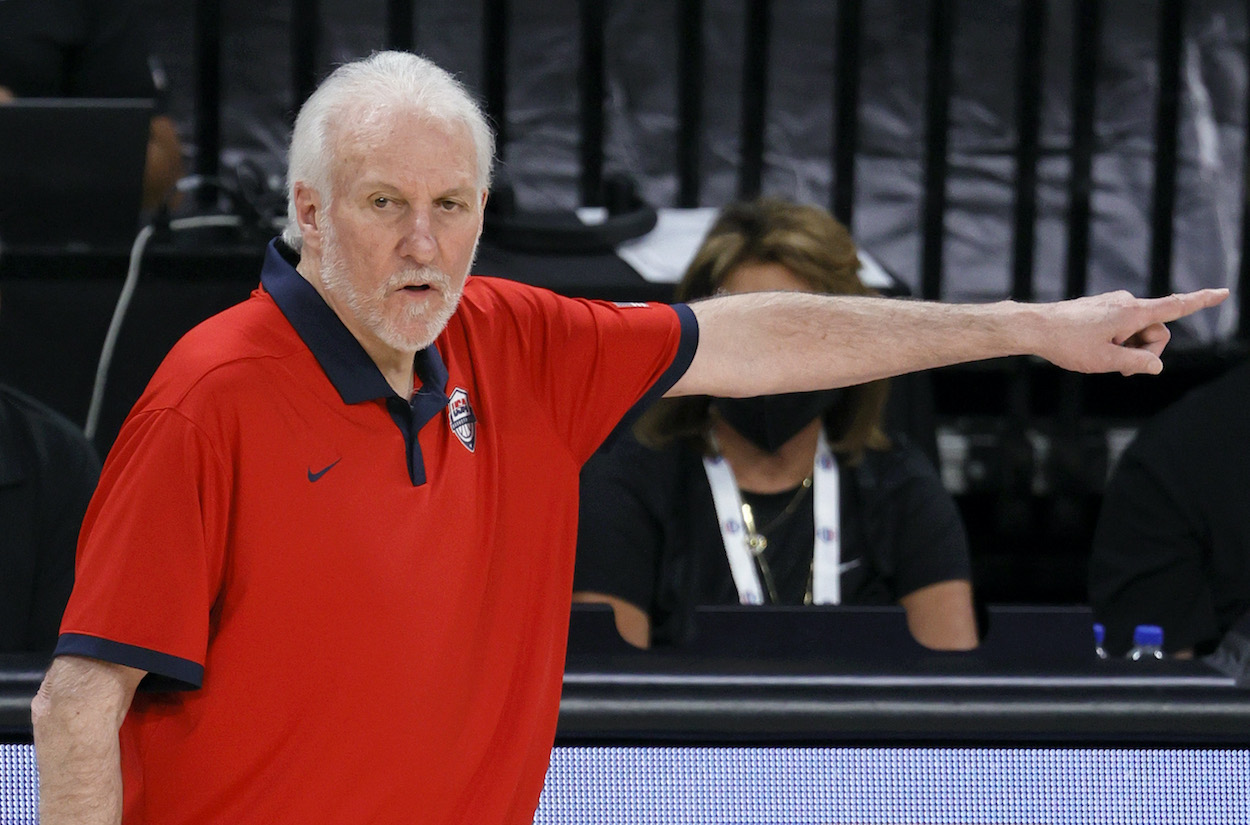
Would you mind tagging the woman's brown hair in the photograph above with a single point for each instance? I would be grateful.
(818, 250)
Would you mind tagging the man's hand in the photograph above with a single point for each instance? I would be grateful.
(791, 341)
(1114, 332)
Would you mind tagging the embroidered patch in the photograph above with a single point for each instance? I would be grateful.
(461, 418)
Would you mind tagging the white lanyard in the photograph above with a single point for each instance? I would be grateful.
(826, 555)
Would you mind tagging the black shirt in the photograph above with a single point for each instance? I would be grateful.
(48, 471)
(74, 48)
(1172, 545)
(648, 533)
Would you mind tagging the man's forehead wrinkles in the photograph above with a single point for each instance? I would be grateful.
(435, 184)
(424, 173)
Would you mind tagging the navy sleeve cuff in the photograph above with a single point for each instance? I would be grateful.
(165, 672)
(681, 361)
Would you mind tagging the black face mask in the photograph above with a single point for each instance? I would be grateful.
(768, 421)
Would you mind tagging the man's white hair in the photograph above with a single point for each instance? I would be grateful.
(361, 93)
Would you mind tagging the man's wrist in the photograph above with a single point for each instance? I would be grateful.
(1022, 327)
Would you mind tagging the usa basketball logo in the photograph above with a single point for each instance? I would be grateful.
(460, 416)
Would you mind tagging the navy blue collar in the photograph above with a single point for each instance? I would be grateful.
(344, 360)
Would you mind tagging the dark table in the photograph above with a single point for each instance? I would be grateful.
(854, 676)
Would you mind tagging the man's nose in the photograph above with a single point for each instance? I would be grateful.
(418, 241)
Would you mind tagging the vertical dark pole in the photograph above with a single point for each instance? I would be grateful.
(937, 121)
(208, 93)
(1015, 512)
(846, 110)
(1028, 125)
(401, 24)
(592, 88)
(1086, 45)
(495, 69)
(1031, 34)
(689, 100)
(754, 99)
(1167, 119)
(305, 41)
(1243, 280)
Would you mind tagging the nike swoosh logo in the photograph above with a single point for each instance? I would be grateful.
(317, 475)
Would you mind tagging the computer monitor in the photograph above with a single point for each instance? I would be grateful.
(71, 172)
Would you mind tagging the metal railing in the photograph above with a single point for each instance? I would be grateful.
(1034, 25)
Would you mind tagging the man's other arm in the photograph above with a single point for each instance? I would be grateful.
(788, 341)
(76, 715)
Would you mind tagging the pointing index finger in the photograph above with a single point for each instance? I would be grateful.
(1178, 305)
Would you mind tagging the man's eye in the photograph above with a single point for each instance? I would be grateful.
(381, 202)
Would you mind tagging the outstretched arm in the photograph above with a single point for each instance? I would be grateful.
(76, 716)
(758, 344)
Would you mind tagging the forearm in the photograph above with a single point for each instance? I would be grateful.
(765, 343)
(79, 774)
(632, 622)
(76, 716)
(940, 616)
(787, 341)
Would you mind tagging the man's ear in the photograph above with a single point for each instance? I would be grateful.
(308, 214)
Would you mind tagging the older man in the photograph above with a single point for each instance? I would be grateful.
(336, 533)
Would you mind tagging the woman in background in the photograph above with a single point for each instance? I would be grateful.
(788, 499)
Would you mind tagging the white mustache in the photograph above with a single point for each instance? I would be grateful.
(425, 275)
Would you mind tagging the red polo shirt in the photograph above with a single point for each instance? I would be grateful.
(366, 599)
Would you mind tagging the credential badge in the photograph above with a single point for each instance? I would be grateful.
(460, 416)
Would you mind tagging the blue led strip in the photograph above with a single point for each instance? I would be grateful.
(749, 786)
(19, 785)
(868, 786)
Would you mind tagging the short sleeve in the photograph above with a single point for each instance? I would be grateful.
(589, 361)
(147, 577)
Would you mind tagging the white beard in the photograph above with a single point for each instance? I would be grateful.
(412, 330)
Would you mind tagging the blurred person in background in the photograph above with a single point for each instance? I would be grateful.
(90, 48)
(48, 471)
(788, 499)
(1172, 544)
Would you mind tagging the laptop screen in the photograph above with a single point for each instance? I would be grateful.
(71, 172)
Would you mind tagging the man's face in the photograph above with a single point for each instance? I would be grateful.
(392, 252)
